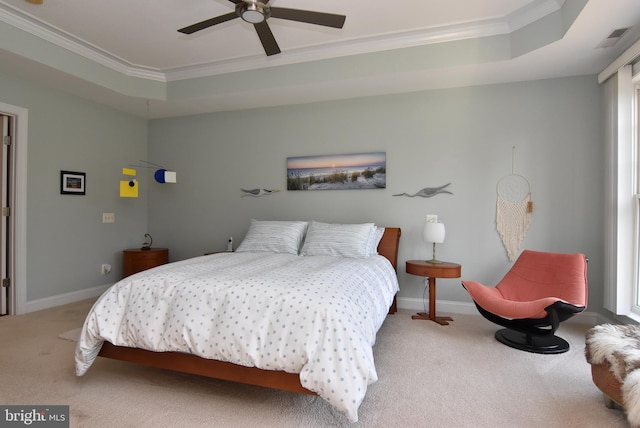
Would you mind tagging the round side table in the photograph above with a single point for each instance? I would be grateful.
(431, 271)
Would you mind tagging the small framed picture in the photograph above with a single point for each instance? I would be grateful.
(72, 183)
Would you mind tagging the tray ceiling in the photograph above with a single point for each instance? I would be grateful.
(129, 54)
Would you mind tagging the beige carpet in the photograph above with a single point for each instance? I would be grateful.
(429, 376)
(71, 335)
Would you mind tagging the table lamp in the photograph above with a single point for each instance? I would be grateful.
(434, 232)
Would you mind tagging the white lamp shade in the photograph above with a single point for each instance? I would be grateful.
(434, 232)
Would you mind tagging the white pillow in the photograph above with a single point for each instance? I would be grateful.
(274, 237)
(374, 240)
(342, 240)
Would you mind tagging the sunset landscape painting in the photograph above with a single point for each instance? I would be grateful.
(337, 172)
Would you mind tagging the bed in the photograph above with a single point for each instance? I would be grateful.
(299, 315)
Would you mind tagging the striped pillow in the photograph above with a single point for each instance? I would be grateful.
(274, 237)
(342, 240)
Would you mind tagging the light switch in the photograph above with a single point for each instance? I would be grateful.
(108, 217)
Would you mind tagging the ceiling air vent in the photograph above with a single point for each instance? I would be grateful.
(612, 38)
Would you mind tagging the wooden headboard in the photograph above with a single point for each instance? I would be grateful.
(388, 246)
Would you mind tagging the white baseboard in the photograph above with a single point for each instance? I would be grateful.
(465, 308)
(411, 303)
(443, 306)
(63, 299)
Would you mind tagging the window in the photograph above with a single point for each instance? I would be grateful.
(622, 213)
(635, 178)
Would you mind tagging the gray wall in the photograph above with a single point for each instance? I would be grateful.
(66, 240)
(463, 136)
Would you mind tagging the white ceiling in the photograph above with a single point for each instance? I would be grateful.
(138, 40)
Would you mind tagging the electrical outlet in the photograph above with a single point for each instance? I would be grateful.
(432, 218)
(108, 217)
(106, 268)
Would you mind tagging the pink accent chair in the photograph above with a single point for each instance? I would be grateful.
(539, 292)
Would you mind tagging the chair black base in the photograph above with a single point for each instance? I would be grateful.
(547, 344)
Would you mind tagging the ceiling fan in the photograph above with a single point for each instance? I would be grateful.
(257, 12)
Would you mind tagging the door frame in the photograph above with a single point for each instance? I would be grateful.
(17, 269)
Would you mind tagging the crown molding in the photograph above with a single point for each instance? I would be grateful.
(532, 12)
(476, 29)
(59, 37)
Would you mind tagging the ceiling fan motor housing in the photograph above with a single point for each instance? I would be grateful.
(253, 11)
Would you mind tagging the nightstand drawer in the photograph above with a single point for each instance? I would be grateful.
(136, 260)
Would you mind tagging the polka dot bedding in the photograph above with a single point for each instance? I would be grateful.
(317, 316)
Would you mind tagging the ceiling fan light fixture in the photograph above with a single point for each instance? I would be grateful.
(253, 12)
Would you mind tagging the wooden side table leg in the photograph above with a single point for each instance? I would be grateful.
(432, 306)
(432, 298)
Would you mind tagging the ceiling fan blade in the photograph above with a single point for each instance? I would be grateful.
(208, 23)
(266, 38)
(236, 1)
(308, 16)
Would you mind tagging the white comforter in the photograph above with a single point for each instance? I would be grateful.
(317, 316)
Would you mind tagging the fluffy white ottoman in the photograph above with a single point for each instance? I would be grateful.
(614, 354)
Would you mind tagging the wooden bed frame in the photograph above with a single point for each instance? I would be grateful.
(188, 363)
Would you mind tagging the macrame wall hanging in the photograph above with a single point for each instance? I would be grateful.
(513, 209)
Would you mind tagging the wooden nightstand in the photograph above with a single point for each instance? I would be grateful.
(431, 271)
(136, 260)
